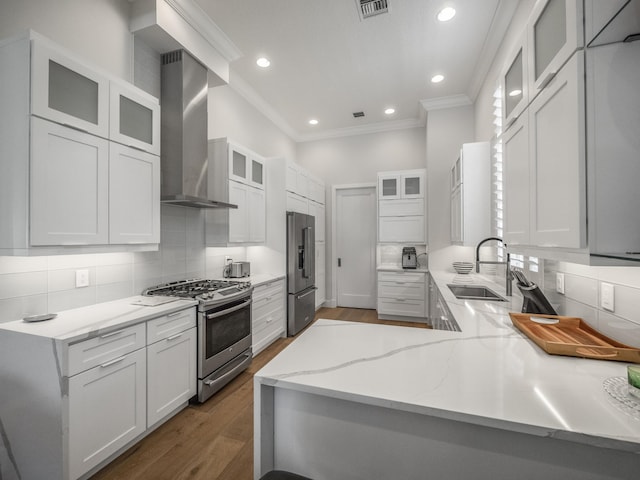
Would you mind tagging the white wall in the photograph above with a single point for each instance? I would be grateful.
(447, 130)
(97, 31)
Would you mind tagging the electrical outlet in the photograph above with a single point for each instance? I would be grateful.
(82, 278)
(607, 295)
(560, 283)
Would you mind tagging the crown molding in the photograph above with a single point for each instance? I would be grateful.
(440, 103)
(365, 129)
(193, 14)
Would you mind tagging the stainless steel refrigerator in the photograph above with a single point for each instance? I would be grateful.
(301, 251)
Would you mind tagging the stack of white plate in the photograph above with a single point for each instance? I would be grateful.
(463, 268)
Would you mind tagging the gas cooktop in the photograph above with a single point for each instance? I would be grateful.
(205, 291)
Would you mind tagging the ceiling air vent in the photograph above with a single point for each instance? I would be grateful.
(370, 8)
(358, 114)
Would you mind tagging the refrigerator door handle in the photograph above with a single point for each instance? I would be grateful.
(313, 289)
(305, 246)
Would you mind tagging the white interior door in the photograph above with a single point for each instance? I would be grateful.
(356, 247)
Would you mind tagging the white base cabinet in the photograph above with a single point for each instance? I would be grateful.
(268, 314)
(402, 294)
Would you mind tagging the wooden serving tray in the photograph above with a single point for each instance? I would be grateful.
(573, 337)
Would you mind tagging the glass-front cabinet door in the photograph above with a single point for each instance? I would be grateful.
(412, 185)
(238, 160)
(67, 92)
(135, 118)
(389, 186)
(555, 31)
(514, 85)
(257, 173)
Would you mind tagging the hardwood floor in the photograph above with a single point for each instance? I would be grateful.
(214, 440)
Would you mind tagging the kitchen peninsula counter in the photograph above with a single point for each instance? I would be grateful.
(353, 401)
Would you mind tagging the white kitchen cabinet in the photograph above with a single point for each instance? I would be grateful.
(316, 189)
(401, 207)
(297, 203)
(514, 84)
(440, 316)
(69, 183)
(555, 32)
(557, 160)
(134, 196)
(56, 147)
(268, 314)
(297, 180)
(134, 118)
(317, 210)
(171, 364)
(245, 166)
(402, 294)
(107, 410)
(401, 184)
(320, 270)
(516, 188)
(67, 91)
(471, 194)
(237, 175)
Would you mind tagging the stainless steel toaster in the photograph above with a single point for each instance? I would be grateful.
(240, 269)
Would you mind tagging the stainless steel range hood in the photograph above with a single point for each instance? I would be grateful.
(184, 145)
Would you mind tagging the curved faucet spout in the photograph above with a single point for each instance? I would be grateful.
(508, 274)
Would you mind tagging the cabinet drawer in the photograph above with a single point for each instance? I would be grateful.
(401, 229)
(401, 208)
(104, 348)
(409, 308)
(401, 278)
(405, 291)
(268, 293)
(171, 324)
(272, 319)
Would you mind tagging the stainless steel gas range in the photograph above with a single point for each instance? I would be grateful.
(224, 328)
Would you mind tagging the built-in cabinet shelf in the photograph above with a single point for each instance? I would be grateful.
(569, 189)
(401, 207)
(69, 142)
(237, 175)
(471, 194)
(268, 314)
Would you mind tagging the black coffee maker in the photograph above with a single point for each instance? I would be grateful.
(409, 258)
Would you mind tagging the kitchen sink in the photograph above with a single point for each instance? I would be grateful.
(475, 292)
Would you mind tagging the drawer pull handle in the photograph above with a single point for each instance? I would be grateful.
(401, 283)
(401, 299)
(175, 314)
(269, 319)
(111, 334)
(173, 337)
(112, 362)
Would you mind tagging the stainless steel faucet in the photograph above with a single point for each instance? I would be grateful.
(507, 264)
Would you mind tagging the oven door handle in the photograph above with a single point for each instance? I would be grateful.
(228, 310)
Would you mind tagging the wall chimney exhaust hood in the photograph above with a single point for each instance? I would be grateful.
(184, 144)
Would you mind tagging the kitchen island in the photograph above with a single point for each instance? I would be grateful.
(360, 401)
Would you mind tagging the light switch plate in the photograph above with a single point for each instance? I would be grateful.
(560, 283)
(607, 295)
(82, 278)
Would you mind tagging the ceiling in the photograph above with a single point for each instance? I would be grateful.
(327, 63)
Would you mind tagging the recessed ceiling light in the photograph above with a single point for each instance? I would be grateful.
(390, 111)
(515, 93)
(437, 78)
(263, 62)
(313, 121)
(446, 14)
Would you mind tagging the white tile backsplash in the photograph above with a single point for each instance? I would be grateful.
(23, 284)
(581, 289)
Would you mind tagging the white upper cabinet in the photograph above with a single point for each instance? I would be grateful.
(396, 185)
(245, 166)
(134, 118)
(134, 196)
(69, 186)
(66, 91)
(516, 188)
(514, 84)
(555, 32)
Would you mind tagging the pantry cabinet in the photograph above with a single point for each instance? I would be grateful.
(397, 185)
(58, 147)
(238, 176)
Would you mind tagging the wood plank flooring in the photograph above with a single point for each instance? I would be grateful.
(214, 440)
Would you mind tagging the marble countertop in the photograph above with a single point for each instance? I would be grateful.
(398, 268)
(81, 323)
(258, 279)
(488, 374)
